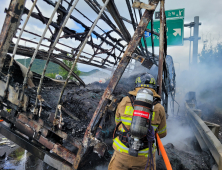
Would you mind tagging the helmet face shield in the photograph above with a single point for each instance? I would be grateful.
(145, 80)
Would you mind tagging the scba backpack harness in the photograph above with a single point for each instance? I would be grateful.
(141, 134)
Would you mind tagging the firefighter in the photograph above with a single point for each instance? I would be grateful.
(121, 160)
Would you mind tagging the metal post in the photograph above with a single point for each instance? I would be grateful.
(35, 53)
(50, 52)
(195, 41)
(161, 48)
(25, 57)
(190, 48)
(78, 55)
(25, 46)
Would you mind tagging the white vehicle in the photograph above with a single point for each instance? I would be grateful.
(58, 77)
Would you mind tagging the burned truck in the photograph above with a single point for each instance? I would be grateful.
(63, 123)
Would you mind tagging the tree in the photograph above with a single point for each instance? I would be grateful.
(65, 73)
(207, 79)
(50, 75)
(211, 56)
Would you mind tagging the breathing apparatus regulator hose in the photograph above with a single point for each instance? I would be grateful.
(164, 154)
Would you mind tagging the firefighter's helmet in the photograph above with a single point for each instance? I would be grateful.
(145, 80)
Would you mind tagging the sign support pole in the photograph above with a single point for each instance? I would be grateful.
(190, 49)
(195, 41)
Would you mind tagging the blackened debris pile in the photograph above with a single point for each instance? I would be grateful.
(82, 102)
(185, 160)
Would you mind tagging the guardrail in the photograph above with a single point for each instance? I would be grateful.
(205, 137)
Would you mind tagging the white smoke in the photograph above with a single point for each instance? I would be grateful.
(99, 76)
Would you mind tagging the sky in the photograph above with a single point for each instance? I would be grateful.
(209, 13)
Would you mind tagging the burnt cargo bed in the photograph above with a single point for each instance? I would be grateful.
(81, 102)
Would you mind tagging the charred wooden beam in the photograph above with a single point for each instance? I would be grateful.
(60, 19)
(116, 16)
(54, 60)
(101, 108)
(49, 158)
(28, 52)
(72, 32)
(104, 17)
(11, 23)
(56, 148)
(74, 49)
(30, 129)
(61, 8)
(161, 49)
(43, 19)
(35, 127)
(112, 9)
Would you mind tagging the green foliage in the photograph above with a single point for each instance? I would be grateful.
(52, 69)
(38, 66)
(65, 73)
(50, 75)
(211, 56)
(210, 73)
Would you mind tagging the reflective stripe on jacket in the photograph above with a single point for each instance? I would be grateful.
(122, 148)
(124, 113)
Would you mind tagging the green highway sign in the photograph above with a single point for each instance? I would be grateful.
(175, 32)
(171, 13)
